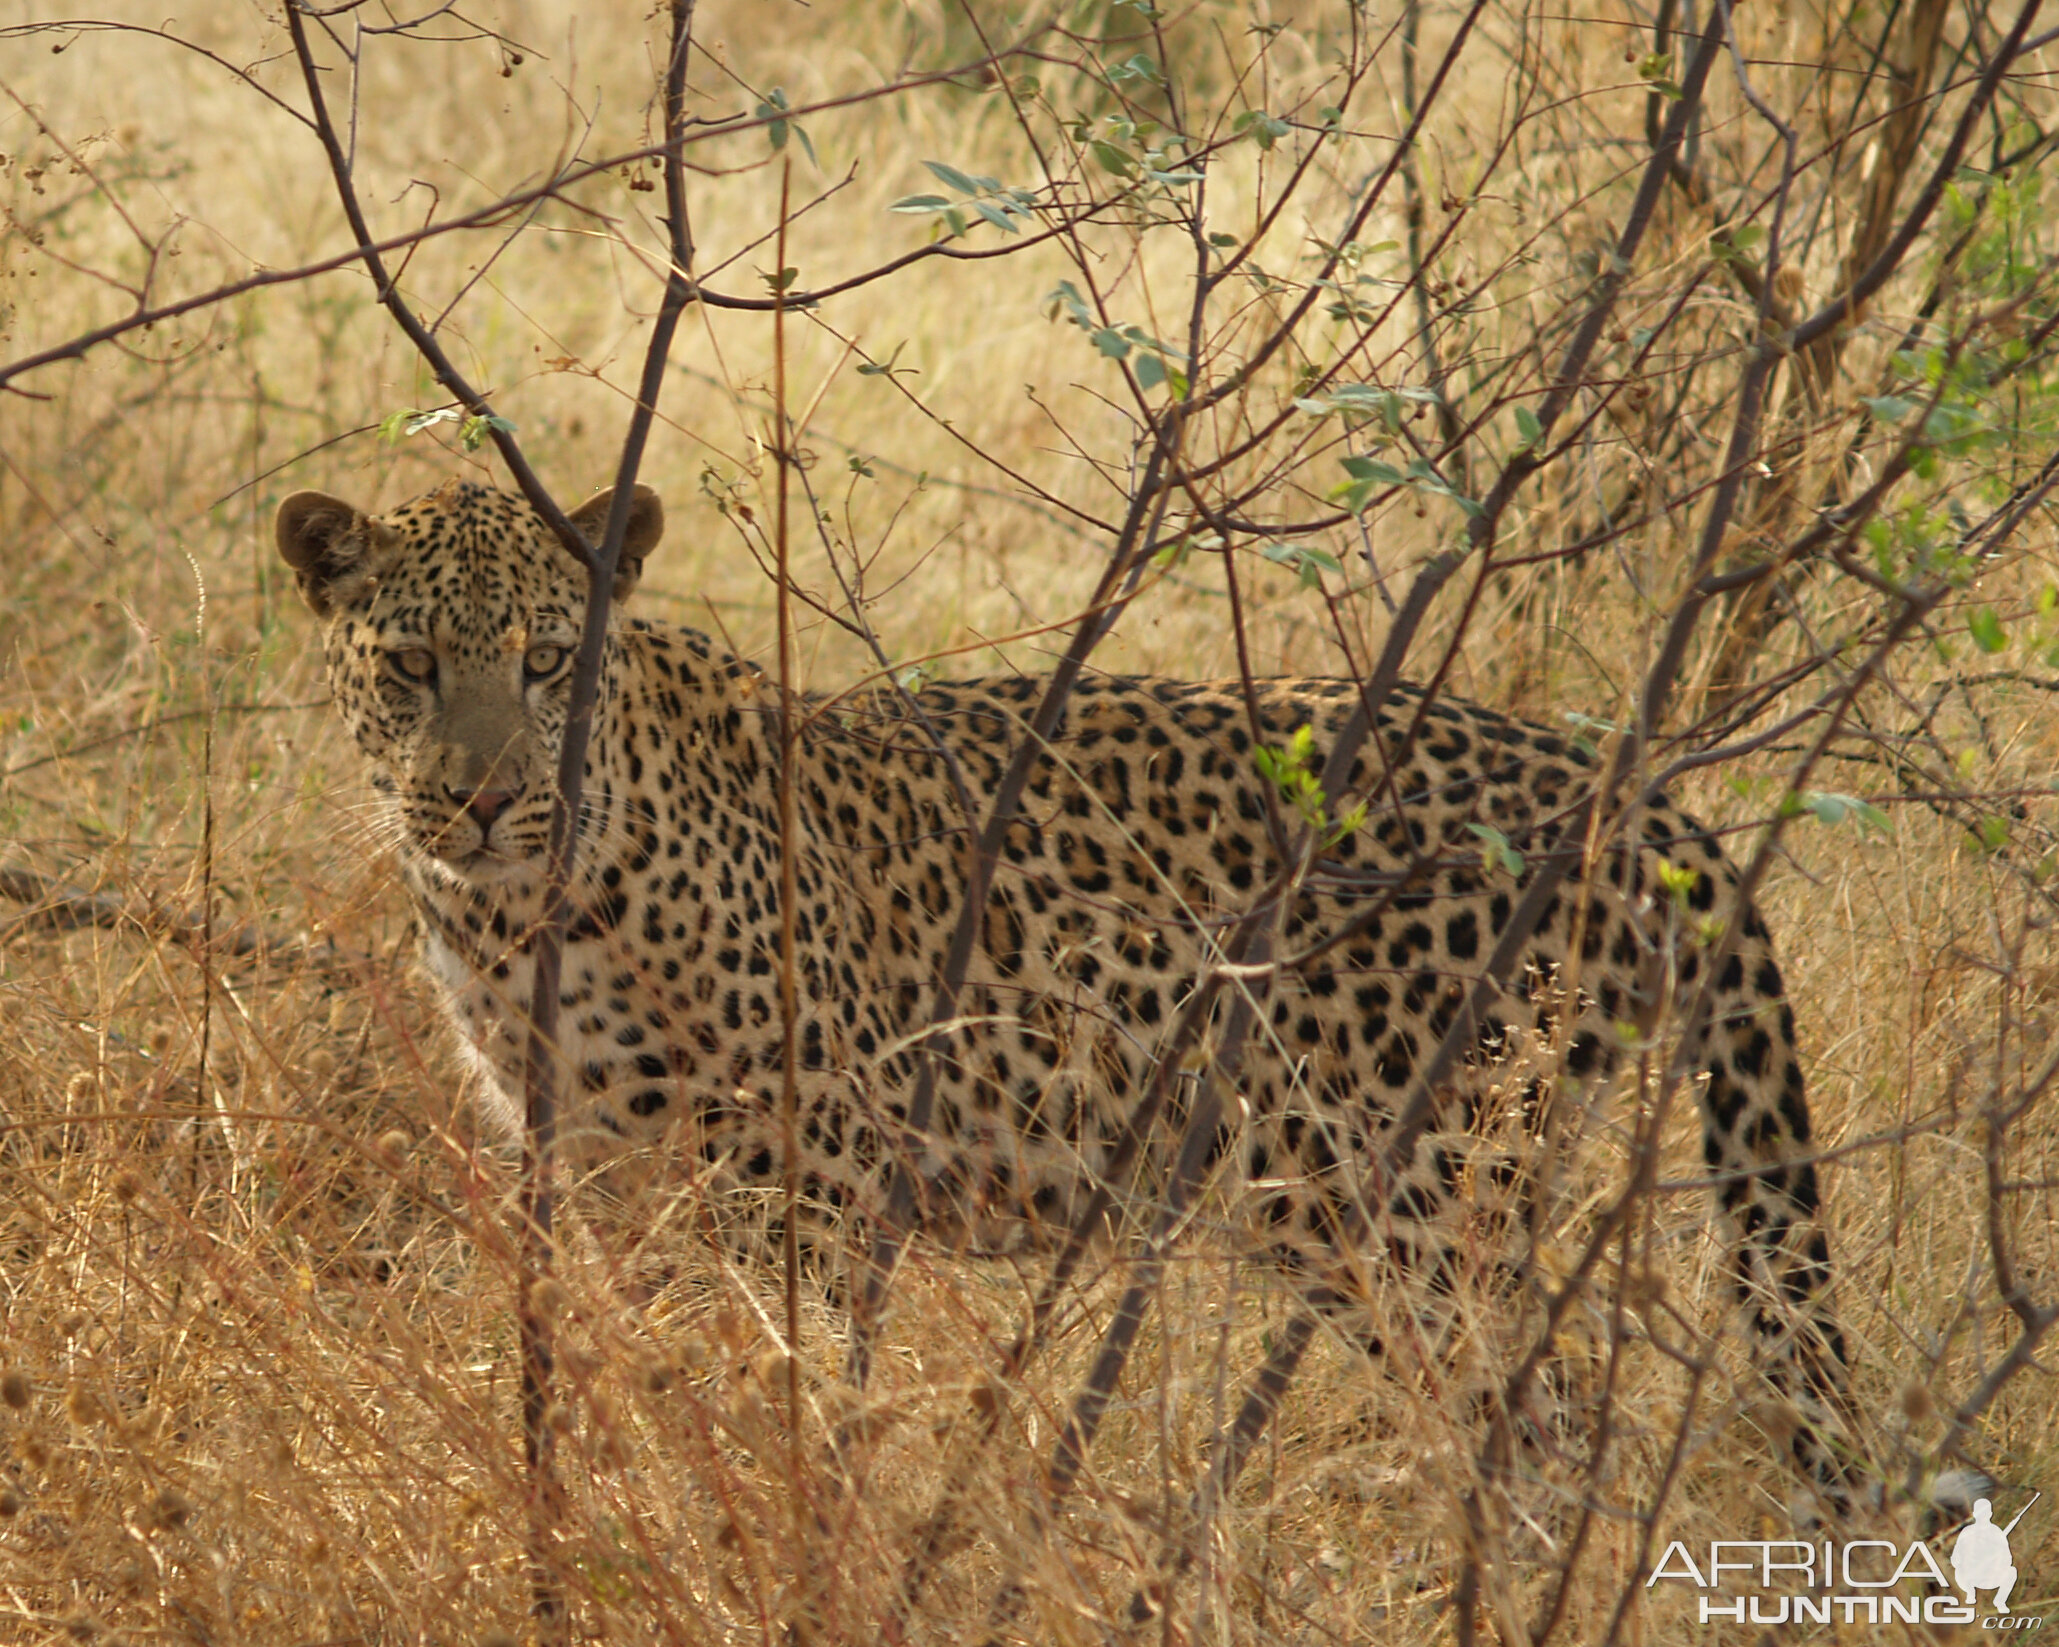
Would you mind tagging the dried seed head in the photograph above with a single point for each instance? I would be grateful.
(82, 1405)
(579, 1361)
(557, 1417)
(15, 1390)
(10, 1502)
(127, 1186)
(170, 1508)
(161, 1039)
(547, 1296)
(393, 1146)
(1645, 1286)
(1916, 1401)
(81, 1089)
(1778, 1420)
(864, 1425)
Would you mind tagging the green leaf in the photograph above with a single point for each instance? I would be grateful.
(476, 431)
(1889, 408)
(1144, 340)
(1656, 71)
(1111, 343)
(774, 104)
(1987, 630)
(1528, 428)
(1065, 295)
(994, 215)
(951, 177)
(1372, 469)
(1678, 880)
(914, 203)
(777, 131)
(1112, 159)
(1498, 853)
(1828, 808)
(1308, 562)
(885, 368)
(395, 425)
(1150, 371)
(1299, 554)
(1263, 129)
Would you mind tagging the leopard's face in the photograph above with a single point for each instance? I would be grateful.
(449, 630)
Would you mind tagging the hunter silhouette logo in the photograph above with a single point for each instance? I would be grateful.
(1857, 1580)
(1980, 1556)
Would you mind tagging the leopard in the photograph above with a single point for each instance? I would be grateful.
(1148, 825)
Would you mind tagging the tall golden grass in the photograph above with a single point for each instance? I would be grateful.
(257, 1354)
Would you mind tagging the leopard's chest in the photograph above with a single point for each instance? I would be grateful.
(656, 1032)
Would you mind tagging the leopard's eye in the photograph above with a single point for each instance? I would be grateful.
(543, 660)
(414, 663)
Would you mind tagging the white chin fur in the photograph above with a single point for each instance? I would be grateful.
(479, 869)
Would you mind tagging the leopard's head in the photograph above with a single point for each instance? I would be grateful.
(449, 627)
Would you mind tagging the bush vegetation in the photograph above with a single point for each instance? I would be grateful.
(1684, 376)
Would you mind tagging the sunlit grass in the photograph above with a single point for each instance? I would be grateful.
(262, 1377)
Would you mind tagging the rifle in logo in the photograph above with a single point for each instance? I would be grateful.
(1980, 1554)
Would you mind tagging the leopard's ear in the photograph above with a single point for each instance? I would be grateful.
(335, 549)
(646, 526)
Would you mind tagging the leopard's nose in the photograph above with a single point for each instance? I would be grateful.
(485, 805)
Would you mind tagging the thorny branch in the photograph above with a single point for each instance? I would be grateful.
(1227, 449)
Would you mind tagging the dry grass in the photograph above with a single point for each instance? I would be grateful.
(260, 1371)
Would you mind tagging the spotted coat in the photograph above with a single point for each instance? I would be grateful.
(1145, 828)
